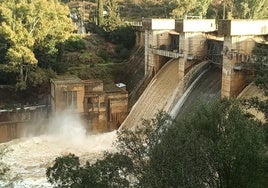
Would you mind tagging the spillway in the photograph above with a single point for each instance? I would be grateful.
(207, 88)
(163, 93)
(156, 96)
(29, 157)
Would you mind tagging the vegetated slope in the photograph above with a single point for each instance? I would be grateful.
(134, 76)
(135, 68)
(156, 96)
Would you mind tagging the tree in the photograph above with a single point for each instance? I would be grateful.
(250, 9)
(239, 9)
(190, 8)
(112, 171)
(100, 12)
(260, 68)
(28, 25)
(218, 145)
(112, 19)
(115, 169)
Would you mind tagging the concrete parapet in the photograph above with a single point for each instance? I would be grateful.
(243, 27)
(158, 24)
(195, 25)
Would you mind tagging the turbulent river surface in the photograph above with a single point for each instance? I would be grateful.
(28, 157)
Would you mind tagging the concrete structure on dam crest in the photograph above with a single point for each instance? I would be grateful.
(191, 41)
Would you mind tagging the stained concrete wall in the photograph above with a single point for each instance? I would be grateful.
(239, 40)
(243, 27)
(11, 130)
(194, 49)
(14, 124)
(58, 87)
(238, 52)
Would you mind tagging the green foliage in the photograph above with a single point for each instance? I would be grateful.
(122, 52)
(74, 44)
(100, 12)
(40, 76)
(138, 144)
(239, 9)
(28, 25)
(104, 55)
(112, 20)
(215, 146)
(112, 171)
(190, 8)
(250, 9)
(64, 172)
(260, 52)
(123, 35)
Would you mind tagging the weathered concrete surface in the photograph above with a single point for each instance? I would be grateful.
(155, 97)
(163, 92)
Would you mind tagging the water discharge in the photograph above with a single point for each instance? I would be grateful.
(28, 157)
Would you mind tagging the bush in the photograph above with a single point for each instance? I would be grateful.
(74, 44)
(124, 35)
(122, 52)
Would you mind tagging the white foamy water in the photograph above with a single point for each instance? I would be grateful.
(28, 158)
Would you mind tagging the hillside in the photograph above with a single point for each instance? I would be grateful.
(88, 56)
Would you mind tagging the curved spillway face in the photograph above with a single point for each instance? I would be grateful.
(163, 93)
(207, 88)
(155, 97)
(253, 91)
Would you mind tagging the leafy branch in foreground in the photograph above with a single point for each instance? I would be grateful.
(217, 145)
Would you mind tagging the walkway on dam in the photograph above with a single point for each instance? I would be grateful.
(156, 96)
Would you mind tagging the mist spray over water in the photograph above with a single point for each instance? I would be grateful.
(29, 157)
(67, 126)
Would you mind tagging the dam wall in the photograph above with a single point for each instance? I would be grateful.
(162, 94)
(15, 123)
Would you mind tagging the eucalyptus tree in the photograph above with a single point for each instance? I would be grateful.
(250, 9)
(100, 12)
(191, 8)
(238, 9)
(27, 25)
(112, 19)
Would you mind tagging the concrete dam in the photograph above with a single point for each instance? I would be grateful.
(163, 93)
(186, 64)
(178, 53)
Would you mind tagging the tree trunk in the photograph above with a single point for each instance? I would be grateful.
(100, 12)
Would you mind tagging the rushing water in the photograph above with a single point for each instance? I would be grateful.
(29, 157)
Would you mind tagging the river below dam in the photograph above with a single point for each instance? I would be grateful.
(28, 157)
